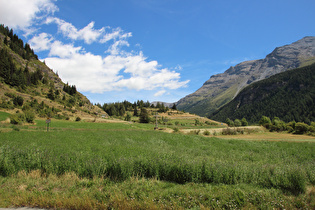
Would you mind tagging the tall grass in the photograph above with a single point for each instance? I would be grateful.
(121, 154)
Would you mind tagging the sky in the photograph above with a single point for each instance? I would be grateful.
(156, 50)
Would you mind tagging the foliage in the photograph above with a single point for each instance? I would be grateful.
(17, 118)
(289, 95)
(174, 106)
(265, 121)
(128, 116)
(16, 44)
(301, 128)
(229, 122)
(29, 116)
(293, 127)
(244, 122)
(237, 123)
(70, 89)
(18, 101)
(144, 116)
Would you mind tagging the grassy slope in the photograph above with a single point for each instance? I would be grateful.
(218, 173)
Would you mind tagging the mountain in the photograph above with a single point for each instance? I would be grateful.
(222, 88)
(27, 84)
(289, 95)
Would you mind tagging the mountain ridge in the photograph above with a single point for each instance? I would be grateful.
(222, 88)
(289, 95)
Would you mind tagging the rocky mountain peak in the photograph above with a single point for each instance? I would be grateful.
(222, 88)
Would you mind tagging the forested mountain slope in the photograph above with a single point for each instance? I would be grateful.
(222, 88)
(289, 95)
(28, 84)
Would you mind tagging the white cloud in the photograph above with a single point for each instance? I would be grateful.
(22, 13)
(97, 74)
(117, 33)
(88, 33)
(41, 42)
(160, 93)
(115, 48)
(63, 50)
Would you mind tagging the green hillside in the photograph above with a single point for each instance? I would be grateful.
(28, 85)
(289, 95)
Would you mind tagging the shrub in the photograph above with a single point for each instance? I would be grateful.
(244, 122)
(175, 129)
(237, 123)
(265, 121)
(17, 118)
(128, 116)
(229, 131)
(10, 95)
(18, 101)
(206, 133)
(301, 128)
(78, 119)
(29, 116)
(194, 132)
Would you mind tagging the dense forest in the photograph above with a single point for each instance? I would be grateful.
(289, 95)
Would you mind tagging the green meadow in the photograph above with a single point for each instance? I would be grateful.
(82, 165)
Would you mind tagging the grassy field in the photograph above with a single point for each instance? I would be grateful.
(81, 165)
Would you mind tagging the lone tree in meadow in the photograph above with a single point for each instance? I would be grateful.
(144, 116)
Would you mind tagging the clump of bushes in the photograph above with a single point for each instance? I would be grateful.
(206, 133)
(292, 127)
(20, 118)
(236, 122)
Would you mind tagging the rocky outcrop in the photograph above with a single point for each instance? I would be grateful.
(222, 88)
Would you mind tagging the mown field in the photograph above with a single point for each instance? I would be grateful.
(81, 165)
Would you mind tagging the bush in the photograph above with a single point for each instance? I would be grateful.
(265, 121)
(301, 128)
(244, 122)
(17, 118)
(229, 131)
(18, 101)
(78, 119)
(144, 116)
(206, 133)
(237, 123)
(29, 116)
(176, 130)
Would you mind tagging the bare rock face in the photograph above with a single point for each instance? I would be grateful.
(222, 88)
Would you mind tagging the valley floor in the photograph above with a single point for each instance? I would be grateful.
(88, 165)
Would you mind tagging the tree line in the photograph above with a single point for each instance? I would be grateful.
(18, 77)
(16, 44)
(120, 108)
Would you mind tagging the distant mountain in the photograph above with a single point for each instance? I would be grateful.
(222, 88)
(38, 88)
(289, 95)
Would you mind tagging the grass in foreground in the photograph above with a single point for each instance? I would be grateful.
(68, 191)
(128, 166)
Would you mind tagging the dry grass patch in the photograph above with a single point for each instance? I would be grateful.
(270, 136)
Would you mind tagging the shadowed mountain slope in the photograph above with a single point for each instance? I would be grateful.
(222, 88)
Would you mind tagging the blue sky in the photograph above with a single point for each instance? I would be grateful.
(156, 50)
